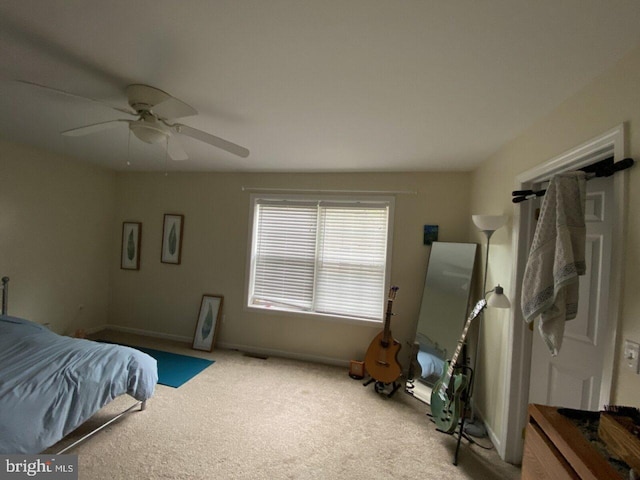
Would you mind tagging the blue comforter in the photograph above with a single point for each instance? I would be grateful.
(50, 384)
(430, 364)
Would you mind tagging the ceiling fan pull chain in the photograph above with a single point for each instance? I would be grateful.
(166, 158)
(129, 148)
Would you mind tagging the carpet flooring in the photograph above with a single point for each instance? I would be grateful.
(249, 418)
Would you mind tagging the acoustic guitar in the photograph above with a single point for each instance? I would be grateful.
(381, 360)
(446, 396)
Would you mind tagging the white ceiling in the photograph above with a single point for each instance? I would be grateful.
(305, 85)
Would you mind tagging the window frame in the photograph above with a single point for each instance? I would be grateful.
(320, 197)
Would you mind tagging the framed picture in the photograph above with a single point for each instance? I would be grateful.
(430, 234)
(130, 253)
(172, 238)
(207, 325)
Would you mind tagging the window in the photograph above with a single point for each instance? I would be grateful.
(320, 255)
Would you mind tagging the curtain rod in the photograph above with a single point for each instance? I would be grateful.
(603, 168)
(319, 190)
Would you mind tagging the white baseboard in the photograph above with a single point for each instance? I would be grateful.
(92, 330)
(148, 333)
(229, 346)
(492, 435)
(285, 354)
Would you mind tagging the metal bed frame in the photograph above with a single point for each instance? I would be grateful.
(141, 404)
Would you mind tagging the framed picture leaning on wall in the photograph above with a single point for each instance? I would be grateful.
(130, 250)
(172, 238)
(207, 325)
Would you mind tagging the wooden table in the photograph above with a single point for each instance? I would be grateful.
(554, 448)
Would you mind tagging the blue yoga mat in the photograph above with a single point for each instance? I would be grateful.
(173, 369)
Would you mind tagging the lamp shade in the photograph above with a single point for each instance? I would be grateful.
(489, 223)
(497, 299)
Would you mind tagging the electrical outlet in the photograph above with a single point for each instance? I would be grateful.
(631, 355)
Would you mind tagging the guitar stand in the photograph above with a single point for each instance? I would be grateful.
(465, 404)
(380, 386)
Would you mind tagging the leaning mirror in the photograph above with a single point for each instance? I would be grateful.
(443, 312)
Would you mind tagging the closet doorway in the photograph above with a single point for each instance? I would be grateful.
(573, 378)
(521, 338)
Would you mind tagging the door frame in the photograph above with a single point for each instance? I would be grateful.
(516, 386)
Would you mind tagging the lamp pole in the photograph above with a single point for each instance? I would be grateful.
(488, 224)
(488, 234)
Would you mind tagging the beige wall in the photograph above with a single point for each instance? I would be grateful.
(60, 228)
(611, 100)
(55, 237)
(165, 298)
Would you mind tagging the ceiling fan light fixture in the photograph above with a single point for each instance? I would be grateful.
(150, 132)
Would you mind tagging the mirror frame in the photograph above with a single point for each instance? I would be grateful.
(430, 351)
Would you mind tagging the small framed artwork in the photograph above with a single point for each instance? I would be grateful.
(172, 238)
(130, 253)
(430, 234)
(207, 325)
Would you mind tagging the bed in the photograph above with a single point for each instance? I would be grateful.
(50, 384)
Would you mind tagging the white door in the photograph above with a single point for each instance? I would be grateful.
(573, 378)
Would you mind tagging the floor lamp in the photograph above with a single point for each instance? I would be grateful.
(488, 224)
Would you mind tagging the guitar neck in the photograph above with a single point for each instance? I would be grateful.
(454, 360)
(387, 319)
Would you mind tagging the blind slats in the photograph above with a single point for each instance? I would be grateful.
(324, 257)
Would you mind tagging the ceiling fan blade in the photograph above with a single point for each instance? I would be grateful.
(79, 97)
(175, 150)
(173, 108)
(211, 140)
(95, 127)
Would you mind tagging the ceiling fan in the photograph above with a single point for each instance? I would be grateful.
(154, 110)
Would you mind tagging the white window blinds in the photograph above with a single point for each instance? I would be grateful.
(320, 256)
(285, 248)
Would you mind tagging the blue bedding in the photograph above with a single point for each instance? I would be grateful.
(430, 363)
(50, 384)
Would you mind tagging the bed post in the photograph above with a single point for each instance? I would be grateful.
(5, 294)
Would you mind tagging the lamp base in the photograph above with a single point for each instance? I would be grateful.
(475, 429)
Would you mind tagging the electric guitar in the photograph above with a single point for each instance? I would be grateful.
(381, 360)
(446, 394)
